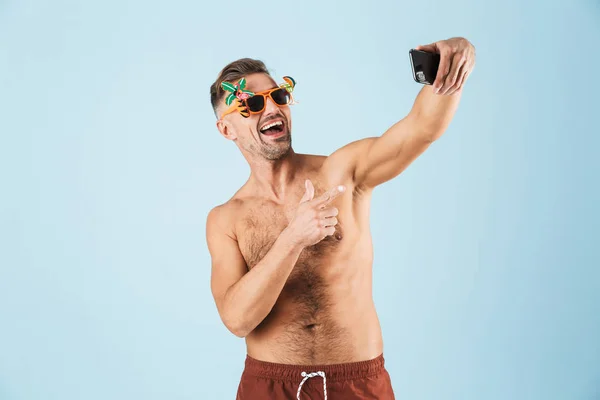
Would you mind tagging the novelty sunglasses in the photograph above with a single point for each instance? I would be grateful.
(257, 103)
(247, 102)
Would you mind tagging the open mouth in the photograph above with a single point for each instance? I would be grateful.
(272, 128)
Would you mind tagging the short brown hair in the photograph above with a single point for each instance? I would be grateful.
(232, 73)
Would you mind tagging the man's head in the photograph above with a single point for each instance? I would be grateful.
(248, 132)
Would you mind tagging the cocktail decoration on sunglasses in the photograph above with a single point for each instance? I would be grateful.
(289, 85)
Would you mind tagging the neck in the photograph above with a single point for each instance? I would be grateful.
(273, 178)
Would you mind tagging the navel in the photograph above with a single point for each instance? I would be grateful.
(311, 327)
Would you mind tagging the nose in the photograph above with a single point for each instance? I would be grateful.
(271, 107)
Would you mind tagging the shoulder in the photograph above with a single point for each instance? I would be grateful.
(340, 165)
(350, 151)
(222, 217)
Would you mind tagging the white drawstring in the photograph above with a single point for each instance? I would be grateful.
(311, 375)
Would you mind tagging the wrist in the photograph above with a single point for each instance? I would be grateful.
(287, 240)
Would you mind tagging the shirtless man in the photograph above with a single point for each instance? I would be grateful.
(291, 250)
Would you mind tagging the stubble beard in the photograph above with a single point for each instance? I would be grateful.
(277, 151)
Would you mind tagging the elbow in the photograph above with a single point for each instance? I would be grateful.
(437, 133)
(431, 134)
(430, 129)
(239, 332)
(237, 326)
(238, 321)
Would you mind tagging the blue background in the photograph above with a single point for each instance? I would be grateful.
(486, 275)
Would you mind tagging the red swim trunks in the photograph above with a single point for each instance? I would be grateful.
(352, 381)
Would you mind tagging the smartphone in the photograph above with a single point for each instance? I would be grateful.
(424, 66)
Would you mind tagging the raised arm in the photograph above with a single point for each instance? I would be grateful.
(244, 298)
(379, 159)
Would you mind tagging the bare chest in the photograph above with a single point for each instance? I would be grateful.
(306, 289)
(261, 225)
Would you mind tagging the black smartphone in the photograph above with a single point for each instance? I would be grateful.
(424, 66)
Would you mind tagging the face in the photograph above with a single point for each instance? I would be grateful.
(250, 134)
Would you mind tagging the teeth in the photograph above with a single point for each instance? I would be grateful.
(264, 128)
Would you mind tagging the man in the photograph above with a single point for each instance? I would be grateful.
(291, 250)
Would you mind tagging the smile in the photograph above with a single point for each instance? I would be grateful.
(272, 128)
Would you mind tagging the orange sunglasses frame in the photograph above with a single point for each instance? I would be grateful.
(267, 93)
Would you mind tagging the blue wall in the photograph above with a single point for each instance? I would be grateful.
(486, 270)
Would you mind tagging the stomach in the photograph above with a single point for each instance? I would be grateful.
(320, 319)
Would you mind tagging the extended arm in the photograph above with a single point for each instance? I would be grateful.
(379, 159)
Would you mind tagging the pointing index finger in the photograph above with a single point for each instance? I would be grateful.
(330, 195)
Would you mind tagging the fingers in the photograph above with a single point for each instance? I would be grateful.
(331, 221)
(458, 61)
(460, 81)
(329, 195)
(329, 231)
(463, 74)
(430, 48)
(328, 212)
(443, 70)
(309, 191)
(466, 75)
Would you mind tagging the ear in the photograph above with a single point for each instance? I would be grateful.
(226, 130)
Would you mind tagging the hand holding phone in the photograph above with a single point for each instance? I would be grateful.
(424, 66)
